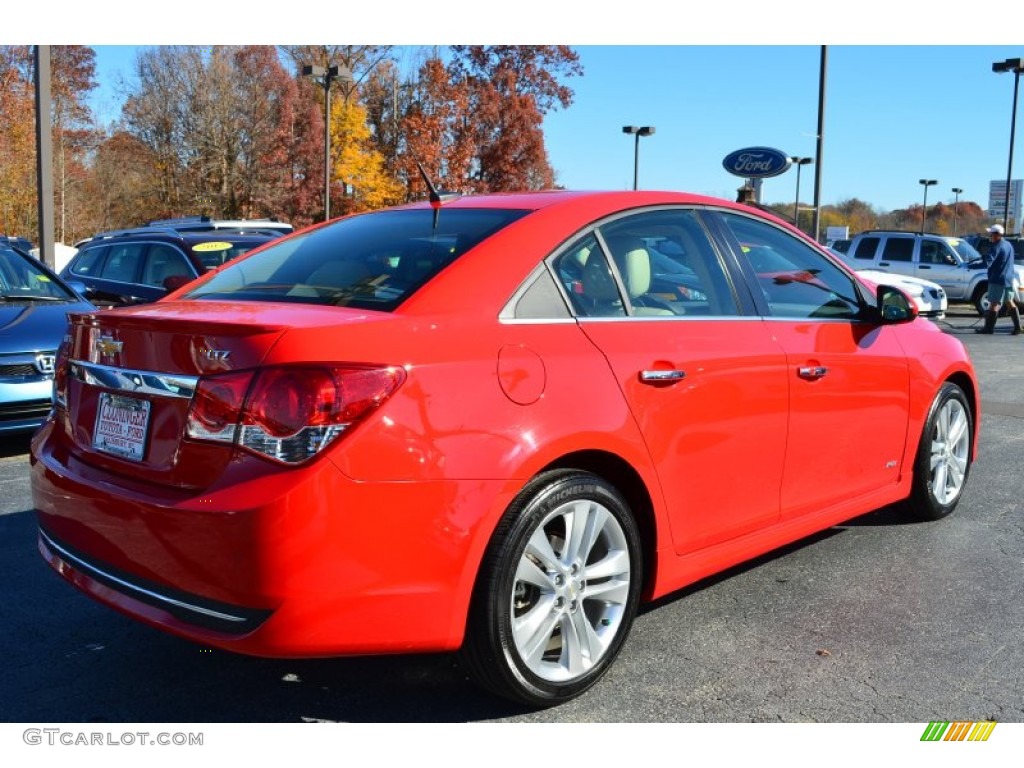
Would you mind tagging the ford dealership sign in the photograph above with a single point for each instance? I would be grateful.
(756, 162)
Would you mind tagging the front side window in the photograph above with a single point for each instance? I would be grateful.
(796, 280)
(371, 261)
(164, 262)
(122, 264)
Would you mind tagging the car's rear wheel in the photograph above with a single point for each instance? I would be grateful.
(943, 457)
(557, 591)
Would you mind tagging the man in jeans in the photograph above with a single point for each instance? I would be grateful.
(999, 261)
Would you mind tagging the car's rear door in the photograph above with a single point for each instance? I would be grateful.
(705, 382)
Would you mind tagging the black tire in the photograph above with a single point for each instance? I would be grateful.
(943, 460)
(980, 299)
(533, 601)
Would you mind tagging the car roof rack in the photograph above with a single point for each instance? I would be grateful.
(204, 223)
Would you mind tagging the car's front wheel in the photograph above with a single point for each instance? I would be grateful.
(944, 456)
(557, 591)
(980, 299)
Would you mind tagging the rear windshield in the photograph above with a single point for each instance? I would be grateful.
(372, 261)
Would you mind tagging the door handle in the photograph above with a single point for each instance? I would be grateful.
(662, 376)
(812, 371)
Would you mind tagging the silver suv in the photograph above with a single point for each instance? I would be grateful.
(951, 262)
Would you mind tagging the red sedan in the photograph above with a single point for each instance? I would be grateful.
(486, 425)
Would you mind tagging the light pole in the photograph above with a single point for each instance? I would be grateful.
(798, 161)
(646, 130)
(956, 204)
(1016, 66)
(924, 208)
(325, 76)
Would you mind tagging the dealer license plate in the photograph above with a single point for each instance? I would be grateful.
(121, 424)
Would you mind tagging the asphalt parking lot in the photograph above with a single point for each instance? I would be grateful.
(877, 620)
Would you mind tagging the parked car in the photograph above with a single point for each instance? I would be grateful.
(469, 425)
(929, 297)
(141, 265)
(13, 241)
(949, 261)
(34, 303)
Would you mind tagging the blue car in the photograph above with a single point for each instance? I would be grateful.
(34, 303)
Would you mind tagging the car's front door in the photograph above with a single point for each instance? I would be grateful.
(848, 378)
(939, 263)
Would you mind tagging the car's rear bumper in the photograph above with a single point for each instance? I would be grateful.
(304, 562)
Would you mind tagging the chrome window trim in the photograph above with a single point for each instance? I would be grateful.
(132, 381)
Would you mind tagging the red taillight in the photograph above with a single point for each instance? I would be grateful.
(217, 406)
(291, 412)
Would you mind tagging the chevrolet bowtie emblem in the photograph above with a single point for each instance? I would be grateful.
(107, 346)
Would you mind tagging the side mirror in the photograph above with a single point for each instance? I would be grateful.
(174, 282)
(77, 286)
(894, 306)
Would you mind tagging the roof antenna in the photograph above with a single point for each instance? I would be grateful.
(437, 199)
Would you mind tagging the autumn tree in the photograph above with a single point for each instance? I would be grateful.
(120, 187)
(511, 88)
(222, 124)
(357, 163)
(437, 127)
(73, 72)
(17, 142)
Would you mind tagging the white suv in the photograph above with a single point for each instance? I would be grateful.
(949, 261)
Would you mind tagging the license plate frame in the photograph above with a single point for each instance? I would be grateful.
(122, 426)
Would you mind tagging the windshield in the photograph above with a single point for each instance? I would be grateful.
(371, 261)
(22, 278)
(965, 250)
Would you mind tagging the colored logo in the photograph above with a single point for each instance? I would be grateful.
(958, 731)
(756, 162)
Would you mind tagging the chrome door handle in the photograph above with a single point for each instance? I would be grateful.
(812, 371)
(661, 377)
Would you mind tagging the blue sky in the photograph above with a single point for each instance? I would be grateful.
(895, 111)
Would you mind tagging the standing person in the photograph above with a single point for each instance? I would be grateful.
(1001, 276)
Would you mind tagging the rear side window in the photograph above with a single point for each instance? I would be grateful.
(898, 249)
(371, 261)
(866, 248)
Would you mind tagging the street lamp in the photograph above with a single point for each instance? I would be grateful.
(798, 161)
(956, 204)
(1016, 66)
(646, 130)
(924, 209)
(324, 77)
